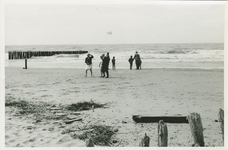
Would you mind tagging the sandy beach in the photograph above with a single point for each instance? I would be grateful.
(154, 92)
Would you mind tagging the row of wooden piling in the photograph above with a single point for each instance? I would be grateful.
(196, 127)
(29, 54)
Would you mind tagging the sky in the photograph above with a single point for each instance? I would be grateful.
(39, 24)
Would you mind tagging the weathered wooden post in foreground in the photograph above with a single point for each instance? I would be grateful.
(221, 120)
(145, 141)
(162, 134)
(196, 129)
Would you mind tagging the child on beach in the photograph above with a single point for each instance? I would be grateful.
(113, 63)
(131, 61)
(88, 61)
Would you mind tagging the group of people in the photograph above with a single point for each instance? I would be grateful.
(138, 61)
(104, 65)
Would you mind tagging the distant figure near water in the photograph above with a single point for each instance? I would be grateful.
(131, 61)
(113, 63)
(88, 61)
(137, 60)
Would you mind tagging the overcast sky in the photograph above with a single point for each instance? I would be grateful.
(29, 24)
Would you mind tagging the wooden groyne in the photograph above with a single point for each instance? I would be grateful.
(29, 54)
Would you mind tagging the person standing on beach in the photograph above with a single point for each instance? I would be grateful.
(108, 59)
(137, 60)
(88, 61)
(131, 61)
(113, 63)
(101, 65)
(105, 65)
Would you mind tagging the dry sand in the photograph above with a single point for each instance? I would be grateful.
(128, 92)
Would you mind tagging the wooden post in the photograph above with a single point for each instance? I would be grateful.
(20, 55)
(9, 55)
(25, 63)
(221, 120)
(162, 134)
(196, 129)
(145, 142)
(24, 55)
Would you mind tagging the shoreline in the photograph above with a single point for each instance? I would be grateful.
(176, 68)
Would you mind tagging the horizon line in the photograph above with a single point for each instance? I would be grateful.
(114, 43)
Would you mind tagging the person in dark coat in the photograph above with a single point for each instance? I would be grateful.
(137, 60)
(131, 61)
(105, 64)
(108, 59)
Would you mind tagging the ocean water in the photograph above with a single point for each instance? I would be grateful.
(198, 55)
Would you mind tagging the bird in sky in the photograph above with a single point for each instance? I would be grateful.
(110, 33)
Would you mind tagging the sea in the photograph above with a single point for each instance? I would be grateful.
(180, 55)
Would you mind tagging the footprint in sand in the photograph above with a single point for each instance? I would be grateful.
(27, 85)
(46, 96)
(64, 139)
(11, 141)
(29, 93)
(14, 90)
(19, 145)
(43, 90)
(66, 93)
(69, 80)
(26, 142)
(56, 83)
(32, 139)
